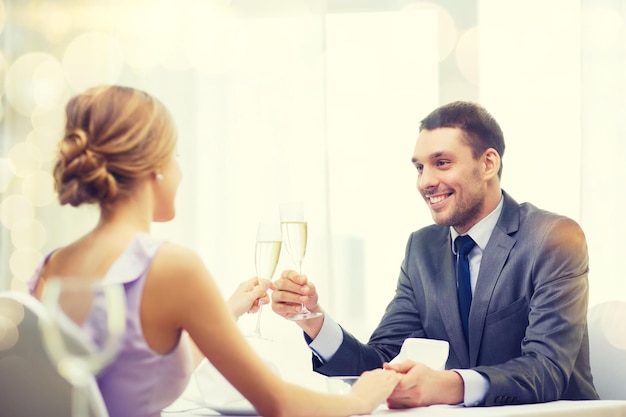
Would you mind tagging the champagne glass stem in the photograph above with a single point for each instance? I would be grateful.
(257, 328)
(80, 403)
(77, 375)
(303, 309)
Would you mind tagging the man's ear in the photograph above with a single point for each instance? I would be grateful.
(491, 161)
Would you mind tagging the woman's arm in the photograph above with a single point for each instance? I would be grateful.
(192, 301)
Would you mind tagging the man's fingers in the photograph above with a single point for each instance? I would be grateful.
(285, 308)
(402, 367)
(293, 276)
(288, 286)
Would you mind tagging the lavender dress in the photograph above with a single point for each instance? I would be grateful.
(139, 382)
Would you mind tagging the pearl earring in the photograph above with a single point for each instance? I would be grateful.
(159, 177)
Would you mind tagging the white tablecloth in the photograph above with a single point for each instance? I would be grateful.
(553, 409)
(191, 402)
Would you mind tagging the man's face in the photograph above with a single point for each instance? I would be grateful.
(449, 178)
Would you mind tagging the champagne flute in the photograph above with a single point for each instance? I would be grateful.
(84, 332)
(267, 251)
(295, 239)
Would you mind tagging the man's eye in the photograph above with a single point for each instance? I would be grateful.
(419, 168)
(441, 163)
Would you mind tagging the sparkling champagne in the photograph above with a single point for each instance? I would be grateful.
(266, 258)
(295, 236)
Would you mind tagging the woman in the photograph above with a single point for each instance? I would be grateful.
(118, 152)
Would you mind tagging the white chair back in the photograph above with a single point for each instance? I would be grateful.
(607, 344)
(29, 382)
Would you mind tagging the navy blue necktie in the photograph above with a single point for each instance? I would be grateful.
(463, 245)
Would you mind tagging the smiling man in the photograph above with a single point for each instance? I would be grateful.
(511, 300)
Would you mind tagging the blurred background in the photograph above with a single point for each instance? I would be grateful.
(320, 101)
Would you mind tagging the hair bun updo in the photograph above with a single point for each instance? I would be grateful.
(81, 173)
(113, 137)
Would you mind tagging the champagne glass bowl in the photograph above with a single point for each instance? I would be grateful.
(295, 240)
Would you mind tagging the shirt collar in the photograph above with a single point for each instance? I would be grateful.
(481, 231)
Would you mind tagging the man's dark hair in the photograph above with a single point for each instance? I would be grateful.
(480, 129)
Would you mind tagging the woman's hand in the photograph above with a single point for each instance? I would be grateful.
(373, 387)
(248, 296)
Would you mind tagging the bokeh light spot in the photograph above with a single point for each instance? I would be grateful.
(16, 211)
(3, 71)
(216, 44)
(30, 79)
(92, 59)
(8, 333)
(46, 141)
(18, 285)
(12, 311)
(145, 34)
(467, 55)
(23, 262)
(6, 173)
(2, 15)
(48, 83)
(447, 27)
(54, 21)
(30, 236)
(11, 315)
(26, 159)
(52, 119)
(39, 188)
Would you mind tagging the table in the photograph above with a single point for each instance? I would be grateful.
(190, 404)
(551, 409)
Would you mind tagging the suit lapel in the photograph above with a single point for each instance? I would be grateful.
(494, 257)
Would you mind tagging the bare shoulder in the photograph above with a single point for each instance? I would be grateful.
(178, 267)
(179, 280)
(174, 258)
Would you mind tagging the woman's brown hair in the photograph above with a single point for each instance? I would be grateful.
(113, 136)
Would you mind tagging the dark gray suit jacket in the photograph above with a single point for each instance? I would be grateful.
(528, 320)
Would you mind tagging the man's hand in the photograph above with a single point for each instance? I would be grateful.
(292, 290)
(422, 386)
